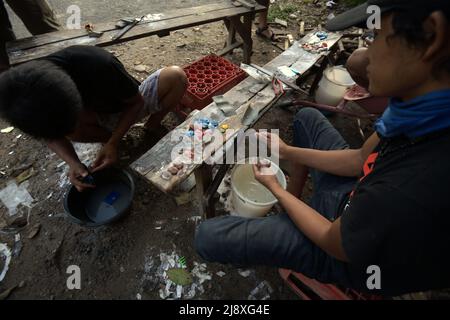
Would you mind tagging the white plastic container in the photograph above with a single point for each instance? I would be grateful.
(249, 197)
(333, 85)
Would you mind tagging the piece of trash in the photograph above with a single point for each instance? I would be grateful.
(182, 262)
(5, 254)
(180, 276)
(34, 230)
(281, 22)
(200, 272)
(261, 292)
(221, 273)
(12, 196)
(287, 72)
(49, 195)
(7, 130)
(27, 174)
(330, 4)
(244, 273)
(170, 268)
(138, 296)
(293, 16)
(17, 245)
(18, 136)
(158, 228)
(179, 291)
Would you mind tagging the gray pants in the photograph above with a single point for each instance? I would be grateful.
(275, 240)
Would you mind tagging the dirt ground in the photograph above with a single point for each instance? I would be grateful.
(121, 261)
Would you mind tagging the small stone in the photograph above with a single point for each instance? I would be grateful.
(197, 29)
(140, 68)
(137, 62)
(293, 16)
(181, 45)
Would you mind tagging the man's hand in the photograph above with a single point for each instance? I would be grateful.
(77, 172)
(106, 157)
(273, 140)
(266, 175)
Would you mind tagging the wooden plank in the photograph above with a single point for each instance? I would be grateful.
(51, 37)
(140, 31)
(150, 164)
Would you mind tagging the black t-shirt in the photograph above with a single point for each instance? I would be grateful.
(100, 77)
(398, 217)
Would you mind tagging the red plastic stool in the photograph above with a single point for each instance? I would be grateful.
(310, 289)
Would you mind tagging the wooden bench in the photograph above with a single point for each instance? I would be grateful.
(151, 164)
(236, 16)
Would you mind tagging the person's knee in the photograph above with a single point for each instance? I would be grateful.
(357, 66)
(176, 75)
(306, 115)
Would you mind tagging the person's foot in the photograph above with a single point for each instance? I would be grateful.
(266, 33)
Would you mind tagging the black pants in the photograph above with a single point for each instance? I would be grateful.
(37, 16)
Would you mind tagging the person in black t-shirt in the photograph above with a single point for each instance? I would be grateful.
(84, 94)
(385, 231)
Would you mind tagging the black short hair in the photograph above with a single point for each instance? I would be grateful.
(41, 99)
(408, 24)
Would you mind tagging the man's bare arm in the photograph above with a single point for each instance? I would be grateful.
(347, 163)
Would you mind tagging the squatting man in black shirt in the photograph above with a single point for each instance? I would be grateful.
(84, 94)
(386, 204)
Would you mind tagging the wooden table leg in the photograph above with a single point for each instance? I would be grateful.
(203, 178)
(318, 76)
(248, 41)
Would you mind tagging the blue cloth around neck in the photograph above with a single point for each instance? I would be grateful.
(416, 117)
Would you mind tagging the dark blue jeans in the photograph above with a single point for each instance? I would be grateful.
(275, 240)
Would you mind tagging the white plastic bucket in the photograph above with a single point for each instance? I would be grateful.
(333, 85)
(249, 197)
